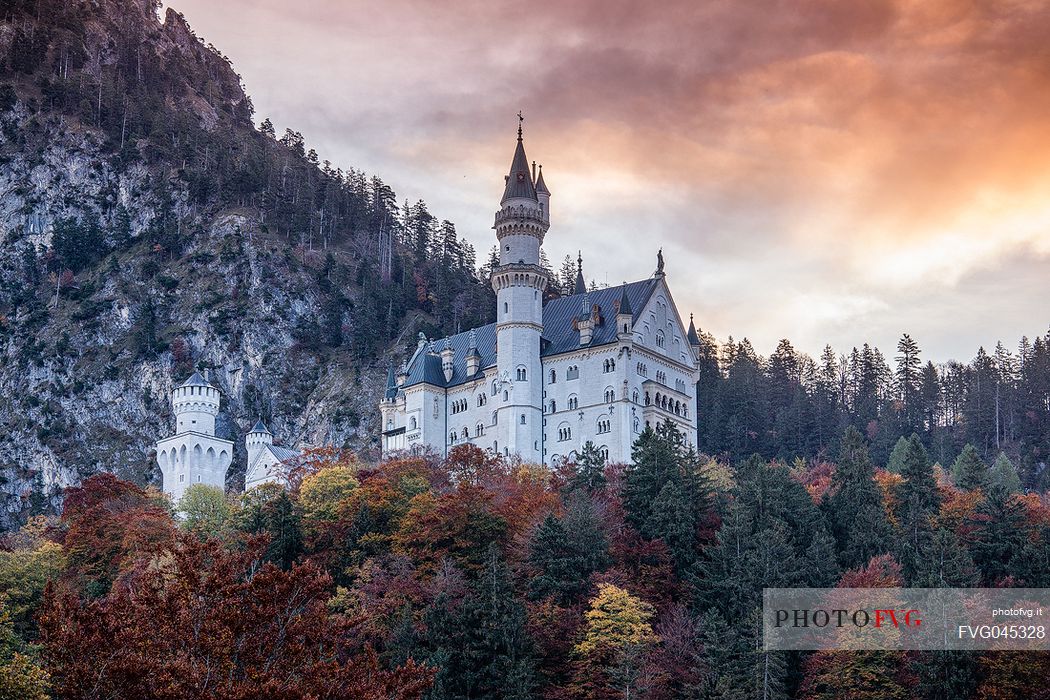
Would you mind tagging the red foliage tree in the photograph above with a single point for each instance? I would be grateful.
(205, 622)
(108, 523)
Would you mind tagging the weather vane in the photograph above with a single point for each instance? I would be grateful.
(521, 119)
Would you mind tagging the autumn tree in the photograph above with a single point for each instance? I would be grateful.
(108, 524)
(617, 634)
(209, 623)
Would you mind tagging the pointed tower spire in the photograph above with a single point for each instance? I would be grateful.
(581, 284)
(692, 336)
(625, 303)
(519, 180)
(541, 186)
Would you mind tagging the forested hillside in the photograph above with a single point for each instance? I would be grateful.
(789, 405)
(148, 228)
(476, 578)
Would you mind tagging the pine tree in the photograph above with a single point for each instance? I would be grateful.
(945, 563)
(969, 471)
(908, 376)
(822, 569)
(919, 502)
(590, 470)
(858, 518)
(1003, 475)
(896, 460)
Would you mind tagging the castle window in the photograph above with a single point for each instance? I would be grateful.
(522, 419)
(452, 437)
(481, 399)
(609, 366)
(634, 396)
(564, 432)
(182, 477)
(574, 402)
(554, 406)
(554, 376)
(522, 374)
(506, 396)
(495, 417)
(506, 307)
(642, 370)
(604, 452)
(479, 430)
(466, 433)
(659, 339)
(661, 376)
(572, 372)
(647, 401)
(610, 395)
(604, 425)
(411, 423)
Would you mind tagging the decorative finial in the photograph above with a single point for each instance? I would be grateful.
(579, 261)
(521, 120)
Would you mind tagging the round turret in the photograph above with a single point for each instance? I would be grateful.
(196, 404)
(257, 439)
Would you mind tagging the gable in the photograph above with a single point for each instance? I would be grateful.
(659, 328)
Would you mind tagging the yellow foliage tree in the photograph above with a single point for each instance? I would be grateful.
(616, 621)
(323, 495)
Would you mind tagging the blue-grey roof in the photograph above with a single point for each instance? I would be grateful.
(559, 333)
(196, 380)
(259, 427)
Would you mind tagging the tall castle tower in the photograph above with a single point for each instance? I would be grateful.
(194, 455)
(519, 281)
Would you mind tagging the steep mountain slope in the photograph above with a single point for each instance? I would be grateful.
(147, 228)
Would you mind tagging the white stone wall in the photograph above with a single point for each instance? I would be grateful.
(264, 469)
(193, 458)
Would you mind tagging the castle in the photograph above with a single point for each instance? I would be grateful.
(194, 455)
(544, 379)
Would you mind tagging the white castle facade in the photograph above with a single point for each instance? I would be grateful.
(545, 379)
(194, 455)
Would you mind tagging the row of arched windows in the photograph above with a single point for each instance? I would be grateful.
(459, 406)
(479, 430)
(604, 425)
(661, 376)
(564, 432)
(641, 369)
(609, 366)
(669, 404)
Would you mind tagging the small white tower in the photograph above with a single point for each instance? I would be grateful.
(258, 438)
(194, 455)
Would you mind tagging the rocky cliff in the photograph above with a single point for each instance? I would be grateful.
(147, 229)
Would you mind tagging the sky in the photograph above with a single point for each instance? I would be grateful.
(823, 171)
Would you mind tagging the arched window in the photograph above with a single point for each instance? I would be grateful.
(604, 452)
(574, 402)
(495, 418)
(479, 430)
(495, 387)
(554, 406)
(609, 366)
(522, 419)
(610, 394)
(634, 396)
(647, 401)
(572, 372)
(466, 433)
(452, 437)
(521, 374)
(659, 339)
(412, 423)
(481, 399)
(506, 395)
(554, 376)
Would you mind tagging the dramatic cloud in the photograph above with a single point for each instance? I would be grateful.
(818, 170)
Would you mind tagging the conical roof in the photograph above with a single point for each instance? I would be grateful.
(196, 380)
(260, 427)
(581, 285)
(625, 303)
(541, 186)
(519, 180)
(694, 339)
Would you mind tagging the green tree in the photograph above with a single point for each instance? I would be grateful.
(858, 519)
(896, 461)
(590, 470)
(1003, 475)
(205, 510)
(268, 509)
(969, 472)
(919, 503)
